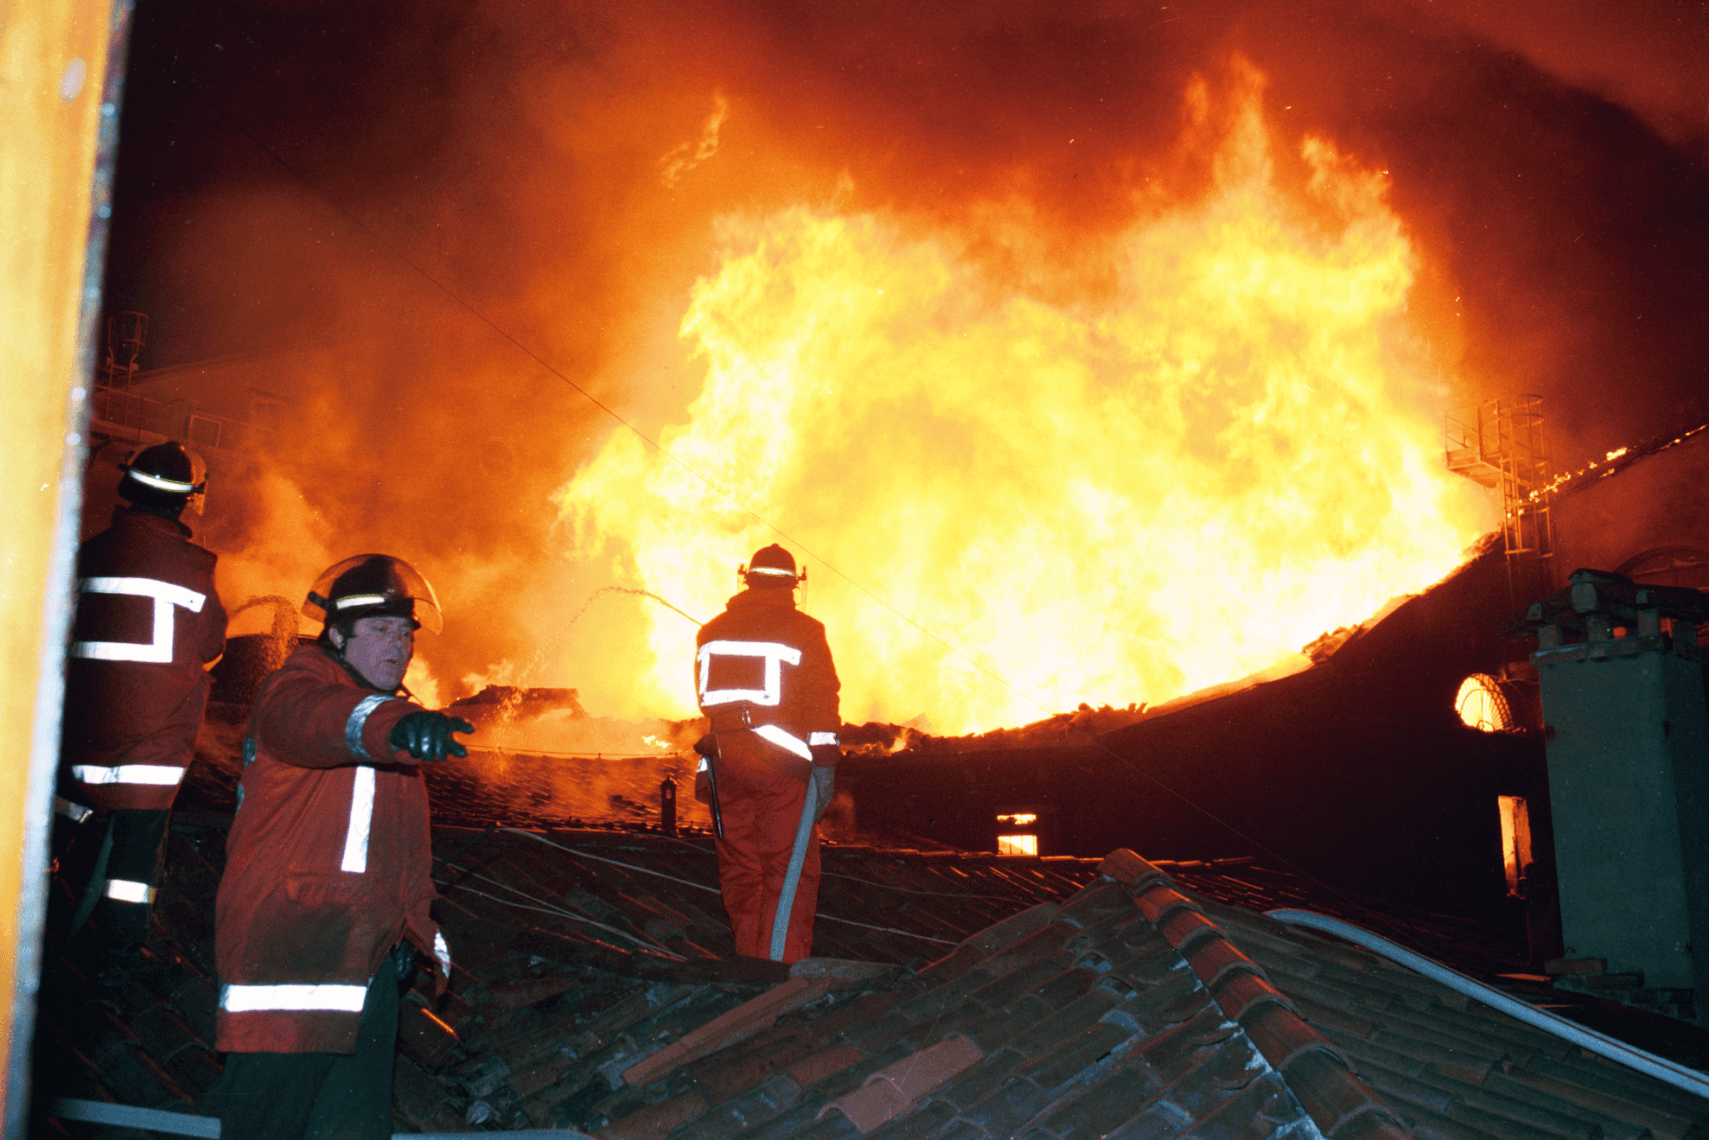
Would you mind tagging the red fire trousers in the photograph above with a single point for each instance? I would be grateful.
(761, 791)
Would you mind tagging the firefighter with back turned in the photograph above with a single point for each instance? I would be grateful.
(149, 626)
(765, 679)
(327, 886)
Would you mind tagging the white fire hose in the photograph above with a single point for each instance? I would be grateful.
(792, 877)
(1675, 1074)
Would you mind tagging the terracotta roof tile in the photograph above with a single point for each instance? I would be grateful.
(1498, 1102)
(1072, 1057)
(1668, 1114)
(815, 1067)
(1373, 1126)
(898, 1087)
(1242, 995)
(804, 1123)
(656, 1121)
(1104, 1106)
(1160, 899)
(1332, 1094)
(1068, 986)
(1282, 1035)
(1433, 1043)
(1249, 1114)
(744, 1021)
(1011, 988)
(1188, 1044)
(1178, 998)
(1159, 1120)
(1325, 999)
(1036, 1035)
(1214, 958)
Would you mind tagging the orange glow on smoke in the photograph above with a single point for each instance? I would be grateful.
(1123, 499)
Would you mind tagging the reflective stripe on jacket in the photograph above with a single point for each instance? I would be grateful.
(328, 863)
(148, 625)
(764, 665)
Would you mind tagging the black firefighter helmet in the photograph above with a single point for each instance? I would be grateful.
(771, 567)
(166, 477)
(373, 585)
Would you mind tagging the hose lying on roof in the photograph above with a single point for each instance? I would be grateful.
(1602, 1045)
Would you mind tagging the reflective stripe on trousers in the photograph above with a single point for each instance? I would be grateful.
(125, 890)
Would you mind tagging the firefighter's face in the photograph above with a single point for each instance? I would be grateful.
(379, 648)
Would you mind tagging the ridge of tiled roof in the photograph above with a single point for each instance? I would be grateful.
(1115, 1013)
(1319, 1074)
(1108, 1014)
(1452, 1067)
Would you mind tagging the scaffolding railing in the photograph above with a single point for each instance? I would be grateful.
(1501, 445)
(123, 414)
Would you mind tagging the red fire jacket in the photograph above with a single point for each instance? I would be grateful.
(149, 625)
(328, 863)
(763, 664)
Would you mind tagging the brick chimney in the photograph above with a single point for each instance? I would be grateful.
(1628, 756)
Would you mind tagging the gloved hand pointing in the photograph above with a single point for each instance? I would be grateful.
(427, 735)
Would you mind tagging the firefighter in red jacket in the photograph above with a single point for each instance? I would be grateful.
(765, 679)
(149, 626)
(327, 883)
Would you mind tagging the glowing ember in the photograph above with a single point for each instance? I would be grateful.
(1121, 499)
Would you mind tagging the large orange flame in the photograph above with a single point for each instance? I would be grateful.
(1011, 503)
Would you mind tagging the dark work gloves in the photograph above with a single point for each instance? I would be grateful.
(427, 735)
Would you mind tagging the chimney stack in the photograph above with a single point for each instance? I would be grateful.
(1628, 756)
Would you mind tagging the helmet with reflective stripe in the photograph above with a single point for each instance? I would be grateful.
(771, 566)
(165, 477)
(373, 585)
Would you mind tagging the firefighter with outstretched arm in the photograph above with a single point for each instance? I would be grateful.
(325, 898)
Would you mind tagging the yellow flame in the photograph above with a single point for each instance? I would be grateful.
(1028, 502)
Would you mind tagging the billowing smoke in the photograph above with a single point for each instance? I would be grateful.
(465, 224)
